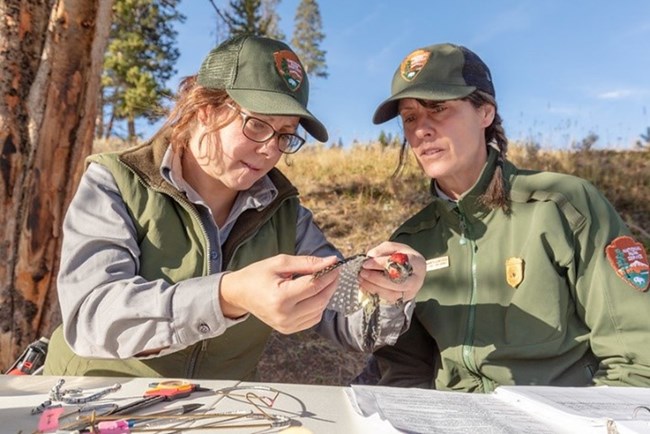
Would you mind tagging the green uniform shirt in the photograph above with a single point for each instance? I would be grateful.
(526, 298)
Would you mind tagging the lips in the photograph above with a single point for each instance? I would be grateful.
(430, 152)
(251, 167)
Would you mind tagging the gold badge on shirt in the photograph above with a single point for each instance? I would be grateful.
(514, 271)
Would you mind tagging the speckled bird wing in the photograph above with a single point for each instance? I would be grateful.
(346, 297)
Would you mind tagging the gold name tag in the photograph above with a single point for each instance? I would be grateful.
(438, 263)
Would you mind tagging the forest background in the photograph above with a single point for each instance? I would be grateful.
(72, 70)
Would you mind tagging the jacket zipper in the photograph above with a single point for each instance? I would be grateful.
(199, 347)
(203, 345)
(467, 349)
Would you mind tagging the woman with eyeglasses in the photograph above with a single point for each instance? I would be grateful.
(180, 256)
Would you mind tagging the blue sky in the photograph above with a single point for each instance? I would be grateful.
(561, 68)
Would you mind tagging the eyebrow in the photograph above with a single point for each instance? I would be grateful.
(266, 119)
(429, 104)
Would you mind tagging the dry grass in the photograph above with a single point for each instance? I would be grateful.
(357, 205)
(352, 195)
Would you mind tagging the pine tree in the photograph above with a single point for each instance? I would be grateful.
(256, 17)
(272, 19)
(308, 36)
(139, 60)
(243, 17)
(384, 139)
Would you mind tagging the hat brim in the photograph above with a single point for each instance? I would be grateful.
(279, 104)
(388, 109)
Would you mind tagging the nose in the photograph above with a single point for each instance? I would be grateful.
(424, 129)
(270, 147)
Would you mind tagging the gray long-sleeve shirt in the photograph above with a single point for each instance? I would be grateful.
(101, 293)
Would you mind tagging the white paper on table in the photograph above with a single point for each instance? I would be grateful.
(430, 411)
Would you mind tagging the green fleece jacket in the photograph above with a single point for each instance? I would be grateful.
(528, 298)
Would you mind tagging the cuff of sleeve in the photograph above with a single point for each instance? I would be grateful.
(393, 319)
(197, 312)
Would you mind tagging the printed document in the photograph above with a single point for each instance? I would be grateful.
(510, 409)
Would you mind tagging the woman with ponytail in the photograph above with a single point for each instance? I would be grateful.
(532, 277)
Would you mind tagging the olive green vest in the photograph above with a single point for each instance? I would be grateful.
(174, 247)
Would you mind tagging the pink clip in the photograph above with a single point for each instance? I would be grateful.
(113, 427)
(49, 420)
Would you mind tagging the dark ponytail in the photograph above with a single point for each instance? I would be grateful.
(497, 194)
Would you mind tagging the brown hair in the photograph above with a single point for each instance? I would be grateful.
(190, 99)
(497, 194)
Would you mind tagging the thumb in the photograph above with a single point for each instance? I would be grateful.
(301, 265)
(310, 264)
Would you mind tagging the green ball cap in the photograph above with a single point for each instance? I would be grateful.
(438, 73)
(263, 76)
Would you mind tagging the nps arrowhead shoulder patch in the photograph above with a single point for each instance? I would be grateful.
(630, 261)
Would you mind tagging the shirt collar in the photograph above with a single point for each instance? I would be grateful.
(469, 199)
(441, 194)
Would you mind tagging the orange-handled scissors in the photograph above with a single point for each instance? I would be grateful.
(169, 390)
(172, 389)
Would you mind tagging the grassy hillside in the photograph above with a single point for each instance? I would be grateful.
(358, 205)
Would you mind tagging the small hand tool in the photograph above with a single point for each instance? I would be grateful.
(169, 390)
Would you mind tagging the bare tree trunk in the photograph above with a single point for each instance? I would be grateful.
(51, 55)
(99, 123)
(132, 135)
(109, 128)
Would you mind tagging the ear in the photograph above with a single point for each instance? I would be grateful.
(203, 115)
(487, 112)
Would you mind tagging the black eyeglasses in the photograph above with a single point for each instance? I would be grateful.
(259, 131)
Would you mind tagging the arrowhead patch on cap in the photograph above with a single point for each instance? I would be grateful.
(289, 68)
(413, 64)
(630, 261)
